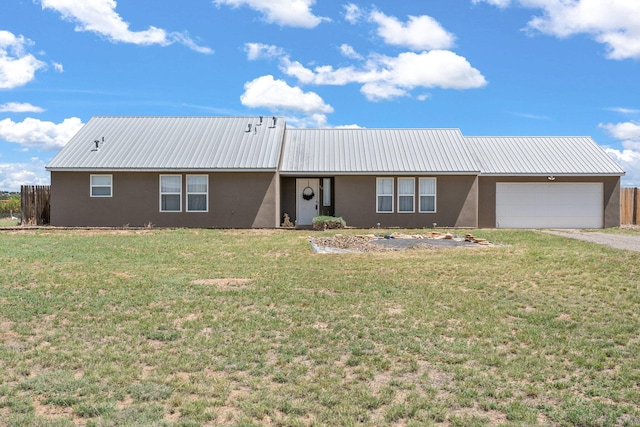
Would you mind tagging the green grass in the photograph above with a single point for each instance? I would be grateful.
(8, 222)
(207, 327)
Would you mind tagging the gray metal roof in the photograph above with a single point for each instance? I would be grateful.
(360, 151)
(253, 144)
(173, 143)
(541, 156)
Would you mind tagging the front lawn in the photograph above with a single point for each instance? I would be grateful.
(197, 327)
(9, 222)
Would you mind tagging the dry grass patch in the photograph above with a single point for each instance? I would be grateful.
(206, 327)
(224, 284)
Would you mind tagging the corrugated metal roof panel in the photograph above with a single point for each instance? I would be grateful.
(173, 143)
(376, 151)
(224, 143)
(541, 155)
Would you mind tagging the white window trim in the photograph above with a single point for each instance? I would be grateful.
(386, 195)
(92, 186)
(167, 193)
(435, 194)
(413, 195)
(205, 193)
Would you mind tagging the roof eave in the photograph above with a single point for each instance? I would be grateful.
(167, 170)
(538, 174)
(377, 173)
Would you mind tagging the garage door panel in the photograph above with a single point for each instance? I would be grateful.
(549, 205)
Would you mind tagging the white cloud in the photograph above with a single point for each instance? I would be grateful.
(614, 23)
(437, 68)
(20, 107)
(349, 52)
(377, 91)
(629, 161)
(13, 175)
(17, 68)
(99, 16)
(37, 133)
(623, 110)
(352, 13)
(58, 67)
(277, 95)
(292, 13)
(385, 77)
(418, 33)
(352, 126)
(259, 50)
(531, 116)
(316, 120)
(499, 3)
(184, 39)
(628, 133)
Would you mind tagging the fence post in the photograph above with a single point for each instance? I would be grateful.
(635, 206)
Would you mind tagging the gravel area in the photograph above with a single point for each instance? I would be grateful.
(630, 242)
(392, 242)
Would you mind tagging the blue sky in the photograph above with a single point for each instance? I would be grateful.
(487, 67)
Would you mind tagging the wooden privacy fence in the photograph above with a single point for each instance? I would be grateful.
(35, 204)
(629, 209)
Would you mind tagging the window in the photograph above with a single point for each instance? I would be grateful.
(326, 192)
(197, 193)
(406, 194)
(384, 191)
(427, 194)
(170, 193)
(101, 185)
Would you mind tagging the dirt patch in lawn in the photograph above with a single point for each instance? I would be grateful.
(340, 243)
(224, 283)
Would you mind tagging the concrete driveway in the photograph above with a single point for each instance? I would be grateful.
(630, 242)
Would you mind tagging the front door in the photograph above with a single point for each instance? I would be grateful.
(307, 193)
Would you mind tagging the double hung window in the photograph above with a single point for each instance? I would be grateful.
(170, 193)
(101, 185)
(427, 195)
(406, 194)
(384, 191)
(197, 193)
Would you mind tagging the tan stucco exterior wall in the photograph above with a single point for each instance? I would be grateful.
(487, 192)
(456, 203)
(249, 200)
(236, 200)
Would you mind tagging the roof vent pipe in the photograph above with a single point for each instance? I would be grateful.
(260, 124)
(98, 143)
(248, 127)
(274, 121)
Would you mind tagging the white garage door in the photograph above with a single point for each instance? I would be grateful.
(549, 205)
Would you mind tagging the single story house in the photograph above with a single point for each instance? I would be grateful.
(248, 172)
